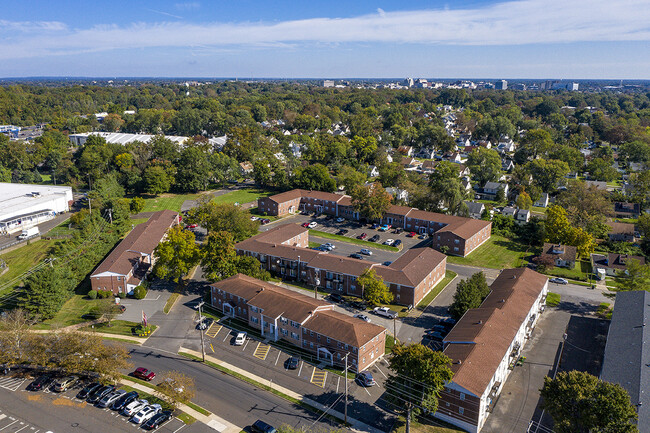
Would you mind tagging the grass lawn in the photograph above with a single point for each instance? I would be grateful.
(62, 230)
(71, 313)
(167, 201)
(356, 241)
(390, 342)
(580, 272)
(538, 209)
(117, 327)
(604, 310)
(425, 426)
(242, 196)
(449, 275)
(553, 299)
(498, 252)
(22, 259)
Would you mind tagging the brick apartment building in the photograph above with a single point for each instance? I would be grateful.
(284, 252)
(485, 342)
(128, 264)
(312, 325)
(459, 235)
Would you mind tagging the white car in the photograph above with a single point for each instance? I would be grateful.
(312, 224)
(362, 317)
(559, 280)
(389, 242)
(366, 252)
(134, 407)
(240, 338)
(254, 218)
(146, 413)
(340, 220)
(329, 245)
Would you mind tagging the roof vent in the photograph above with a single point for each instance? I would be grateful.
(460, 361)
(480, 322)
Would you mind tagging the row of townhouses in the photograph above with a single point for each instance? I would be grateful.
(128, 264)
(460, 235)
(307, 323)
(284, 252)
(485, 344)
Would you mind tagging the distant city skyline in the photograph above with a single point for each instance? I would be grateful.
(520, 39)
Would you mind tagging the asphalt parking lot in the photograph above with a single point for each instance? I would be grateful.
(42, 411)
(319, 384)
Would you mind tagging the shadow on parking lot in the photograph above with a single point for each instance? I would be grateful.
(580, 308)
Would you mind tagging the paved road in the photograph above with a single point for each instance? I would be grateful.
(232, 399)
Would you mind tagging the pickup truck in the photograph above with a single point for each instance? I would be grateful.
(385, 312)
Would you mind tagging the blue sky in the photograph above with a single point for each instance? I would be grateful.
(328, 39)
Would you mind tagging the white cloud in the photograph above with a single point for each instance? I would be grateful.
(505, 23)
(187, 6)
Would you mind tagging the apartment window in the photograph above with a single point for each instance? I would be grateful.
(295, 336)
(318, 337)
(284, 332)
(311, 333)
(255, 320)
(461, 410)
(346, 347)
(311, 345)
(119, 278)
(462, 396)
(328, 340)
(304, 330)
(455, 248)
(254, 309)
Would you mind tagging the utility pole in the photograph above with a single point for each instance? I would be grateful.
(345, 376)
(395, 329)
(110, 215)
(201, 328)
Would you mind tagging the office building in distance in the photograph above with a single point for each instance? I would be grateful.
(23, 205)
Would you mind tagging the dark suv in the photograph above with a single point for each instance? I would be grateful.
(335, 297)
(262, 427)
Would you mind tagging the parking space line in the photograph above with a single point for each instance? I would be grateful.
(227, 334)
(245, 344)
(22, 428)
(301, 363)
(261, 351)
(2, 416)
(278, 358)
(212, 347)
(338, 382)
(179, 427)
(9, 425)
(382, 373)
(364, 388)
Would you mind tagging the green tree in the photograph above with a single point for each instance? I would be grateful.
(485, 165)
(250, 266)
(351, 178)
(635, 277)
(373, 288)
(586, 206)
(602, 170)
(446, 191)
(524, 201)
(559, 230)
(226, 217)
(176, 255)
(364, 147)
(643, 224)
(136, 205)
(536, 142)
(193, 170)
(157, 180)
(219, 256)
(418, 374)
(314, 177)
(470, 293)
(581, 403)
(262, 172)
(140, 292)
(371, 201)
(547, 173)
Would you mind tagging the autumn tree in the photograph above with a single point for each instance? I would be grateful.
(371, 201)
(586, 206)
(373, 288)
(581, 403)
(176, 255)
(418, 374)
(176, 388)
(15, 336)
(559, 230)
(524, 201)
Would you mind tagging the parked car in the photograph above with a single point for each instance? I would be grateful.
(398, 230)
(359, 305)
(292, 363)
(260, 426)
(389, 242)
(146, 413)
(440, 328)
(254, 218)
(388, 263)
(450, 321)
(340, 220)
(365, 379)
(312, 224)
(342, 232)
(411, 235)
(42, 382)
(375, 238)
(397, 243)
(100, 393)
(83, 394)
(124, 400)
(385, 312)
(205, 323)
(374, 226)
(366, 252)
(65, 383)
(356, 256)
(134, 407)
(434, 335)
(326, 247)
(329, 245)
(193, 226)
(362, 317)
(558, 280)
(121, 308)
(144, 374)
(385, 228)
(157, 420)
(240, 338)
(305, 225)
(265, 220)
(362, 236)
(110, 398)
(336, 297)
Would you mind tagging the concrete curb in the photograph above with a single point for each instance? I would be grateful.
(213, 421)
(357, 426)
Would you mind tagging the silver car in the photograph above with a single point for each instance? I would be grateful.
(134, 407)
(110, 398)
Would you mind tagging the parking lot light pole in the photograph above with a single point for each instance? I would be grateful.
(201, 329)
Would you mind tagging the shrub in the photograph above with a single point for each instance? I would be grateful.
(139, 292)
(92, 294)
(103, 294)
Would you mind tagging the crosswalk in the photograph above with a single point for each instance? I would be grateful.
(11, 383)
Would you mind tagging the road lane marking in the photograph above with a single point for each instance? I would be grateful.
(9, 425)
(261, 351)
(211, 347)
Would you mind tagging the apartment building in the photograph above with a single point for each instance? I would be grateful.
(312, 325)
(283, 252)
(485, 344)
(129, 263)
(455, 235)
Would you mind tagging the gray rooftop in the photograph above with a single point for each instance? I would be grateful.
(627, 356)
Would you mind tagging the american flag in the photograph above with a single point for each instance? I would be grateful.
(144, 318)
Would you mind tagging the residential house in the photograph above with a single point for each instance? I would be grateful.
(507, 164)
(454, 157)
(245, 168)
(309, 324)
(509, 211)
(492, 188)
(622, 232)
(475, 209)
(625, 360)
(398, 194)
(428, 166)
(627, 210)
(542, 201)
(484, 143)
(597, 184)
(405, 150)
(522, 216)
(506, 145)
(467, 184)
(410, 164)
(610, 264)
(485, 344)
(130, 262)
(373, 171)
(426, 153)
(563, 256)
(296, 149)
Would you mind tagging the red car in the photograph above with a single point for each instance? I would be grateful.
(305, 225)
(362, 236)
(144, 374)
(192, 226)
(411, 235)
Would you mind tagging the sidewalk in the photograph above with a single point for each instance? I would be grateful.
(213, 421)
(357, 426)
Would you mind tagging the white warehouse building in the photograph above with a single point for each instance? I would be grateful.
(23, 205)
